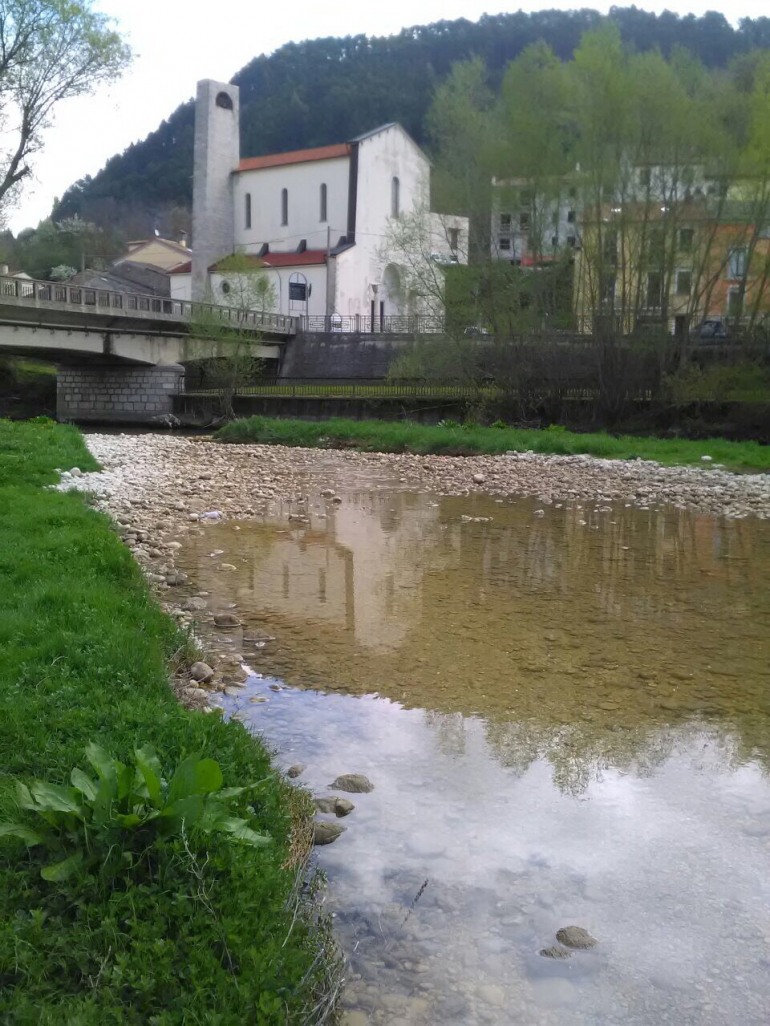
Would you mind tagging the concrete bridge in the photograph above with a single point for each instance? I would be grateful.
(120, 354)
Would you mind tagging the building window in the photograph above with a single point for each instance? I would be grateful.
(686, 236)
(735, 303)
(524, 221)
(505, 243)
(247, 211)
(454, 239)
(323, 202)
(224, 101)
(554, 241)
(505, 222)
(395, 197)
(656, 247)
(571, 241)
(611, 248)
(683, 283)
(736, 264)
(570, 216)
(284, 206)
(654, 289)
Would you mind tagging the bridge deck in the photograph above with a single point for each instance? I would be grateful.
(26, 300)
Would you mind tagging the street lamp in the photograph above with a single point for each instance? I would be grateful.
(375, 287)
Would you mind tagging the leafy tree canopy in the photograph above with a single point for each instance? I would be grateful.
(50, 51)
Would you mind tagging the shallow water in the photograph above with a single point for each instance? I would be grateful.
(564, 711)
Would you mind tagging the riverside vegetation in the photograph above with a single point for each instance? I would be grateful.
(117, 907)
(453, 439)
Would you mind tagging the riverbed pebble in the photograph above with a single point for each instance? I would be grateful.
(355, 782)
(151, 472)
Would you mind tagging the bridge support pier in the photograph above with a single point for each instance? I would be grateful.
(117, 394)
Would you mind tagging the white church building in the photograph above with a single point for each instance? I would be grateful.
(343, 232)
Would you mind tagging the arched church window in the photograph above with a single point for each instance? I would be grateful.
(395, 197)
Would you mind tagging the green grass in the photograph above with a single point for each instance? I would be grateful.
(405, 436)
(356, 390)
(84, 652)
(33, 368)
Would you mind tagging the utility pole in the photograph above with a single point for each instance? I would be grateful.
(329, 282)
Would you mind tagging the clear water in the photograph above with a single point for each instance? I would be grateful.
(566, 718)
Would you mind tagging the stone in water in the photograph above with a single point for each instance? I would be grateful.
(575, 937)
(355, 782)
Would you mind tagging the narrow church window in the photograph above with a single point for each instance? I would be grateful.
(247, 211)
(395, 197)
(284, 206)
(323, 202)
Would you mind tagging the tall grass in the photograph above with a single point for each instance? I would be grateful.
(457, 440)
(84, 652)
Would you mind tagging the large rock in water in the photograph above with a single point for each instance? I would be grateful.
(325, 832)
(339, 806)
(355, 782)
(555, 952)
(575, 937)
(201, 671)
(226, 620)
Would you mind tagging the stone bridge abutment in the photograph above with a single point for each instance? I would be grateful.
(116, 393)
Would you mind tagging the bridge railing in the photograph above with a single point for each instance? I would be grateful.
(28, 291)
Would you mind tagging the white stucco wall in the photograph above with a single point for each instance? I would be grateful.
(303, 182)
(382, 156)
(280, 279)
(180, 286)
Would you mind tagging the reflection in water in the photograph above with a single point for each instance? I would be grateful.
(576, 634)
(572, 728)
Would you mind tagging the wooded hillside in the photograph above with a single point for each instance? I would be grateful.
(328, 90)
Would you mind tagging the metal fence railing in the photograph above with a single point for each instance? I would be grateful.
(357, 324)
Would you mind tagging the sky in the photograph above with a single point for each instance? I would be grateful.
(176, 42)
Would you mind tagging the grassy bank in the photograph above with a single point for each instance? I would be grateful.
(191, 928)
(27, 388)
(455, 440)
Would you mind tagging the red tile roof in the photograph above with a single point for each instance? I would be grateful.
(295, 157)
(310, 256)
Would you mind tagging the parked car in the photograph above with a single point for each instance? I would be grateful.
(476, 331)
(712, 328)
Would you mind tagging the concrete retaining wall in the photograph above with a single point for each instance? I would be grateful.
(342, 356)
(123, 395)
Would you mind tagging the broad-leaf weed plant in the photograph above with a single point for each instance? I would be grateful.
(109, 824)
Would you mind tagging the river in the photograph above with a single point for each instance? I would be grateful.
(564, 710)
(554, 671)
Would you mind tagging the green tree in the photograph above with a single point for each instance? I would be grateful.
(461, 127)
(50, 51)
(243, 289)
